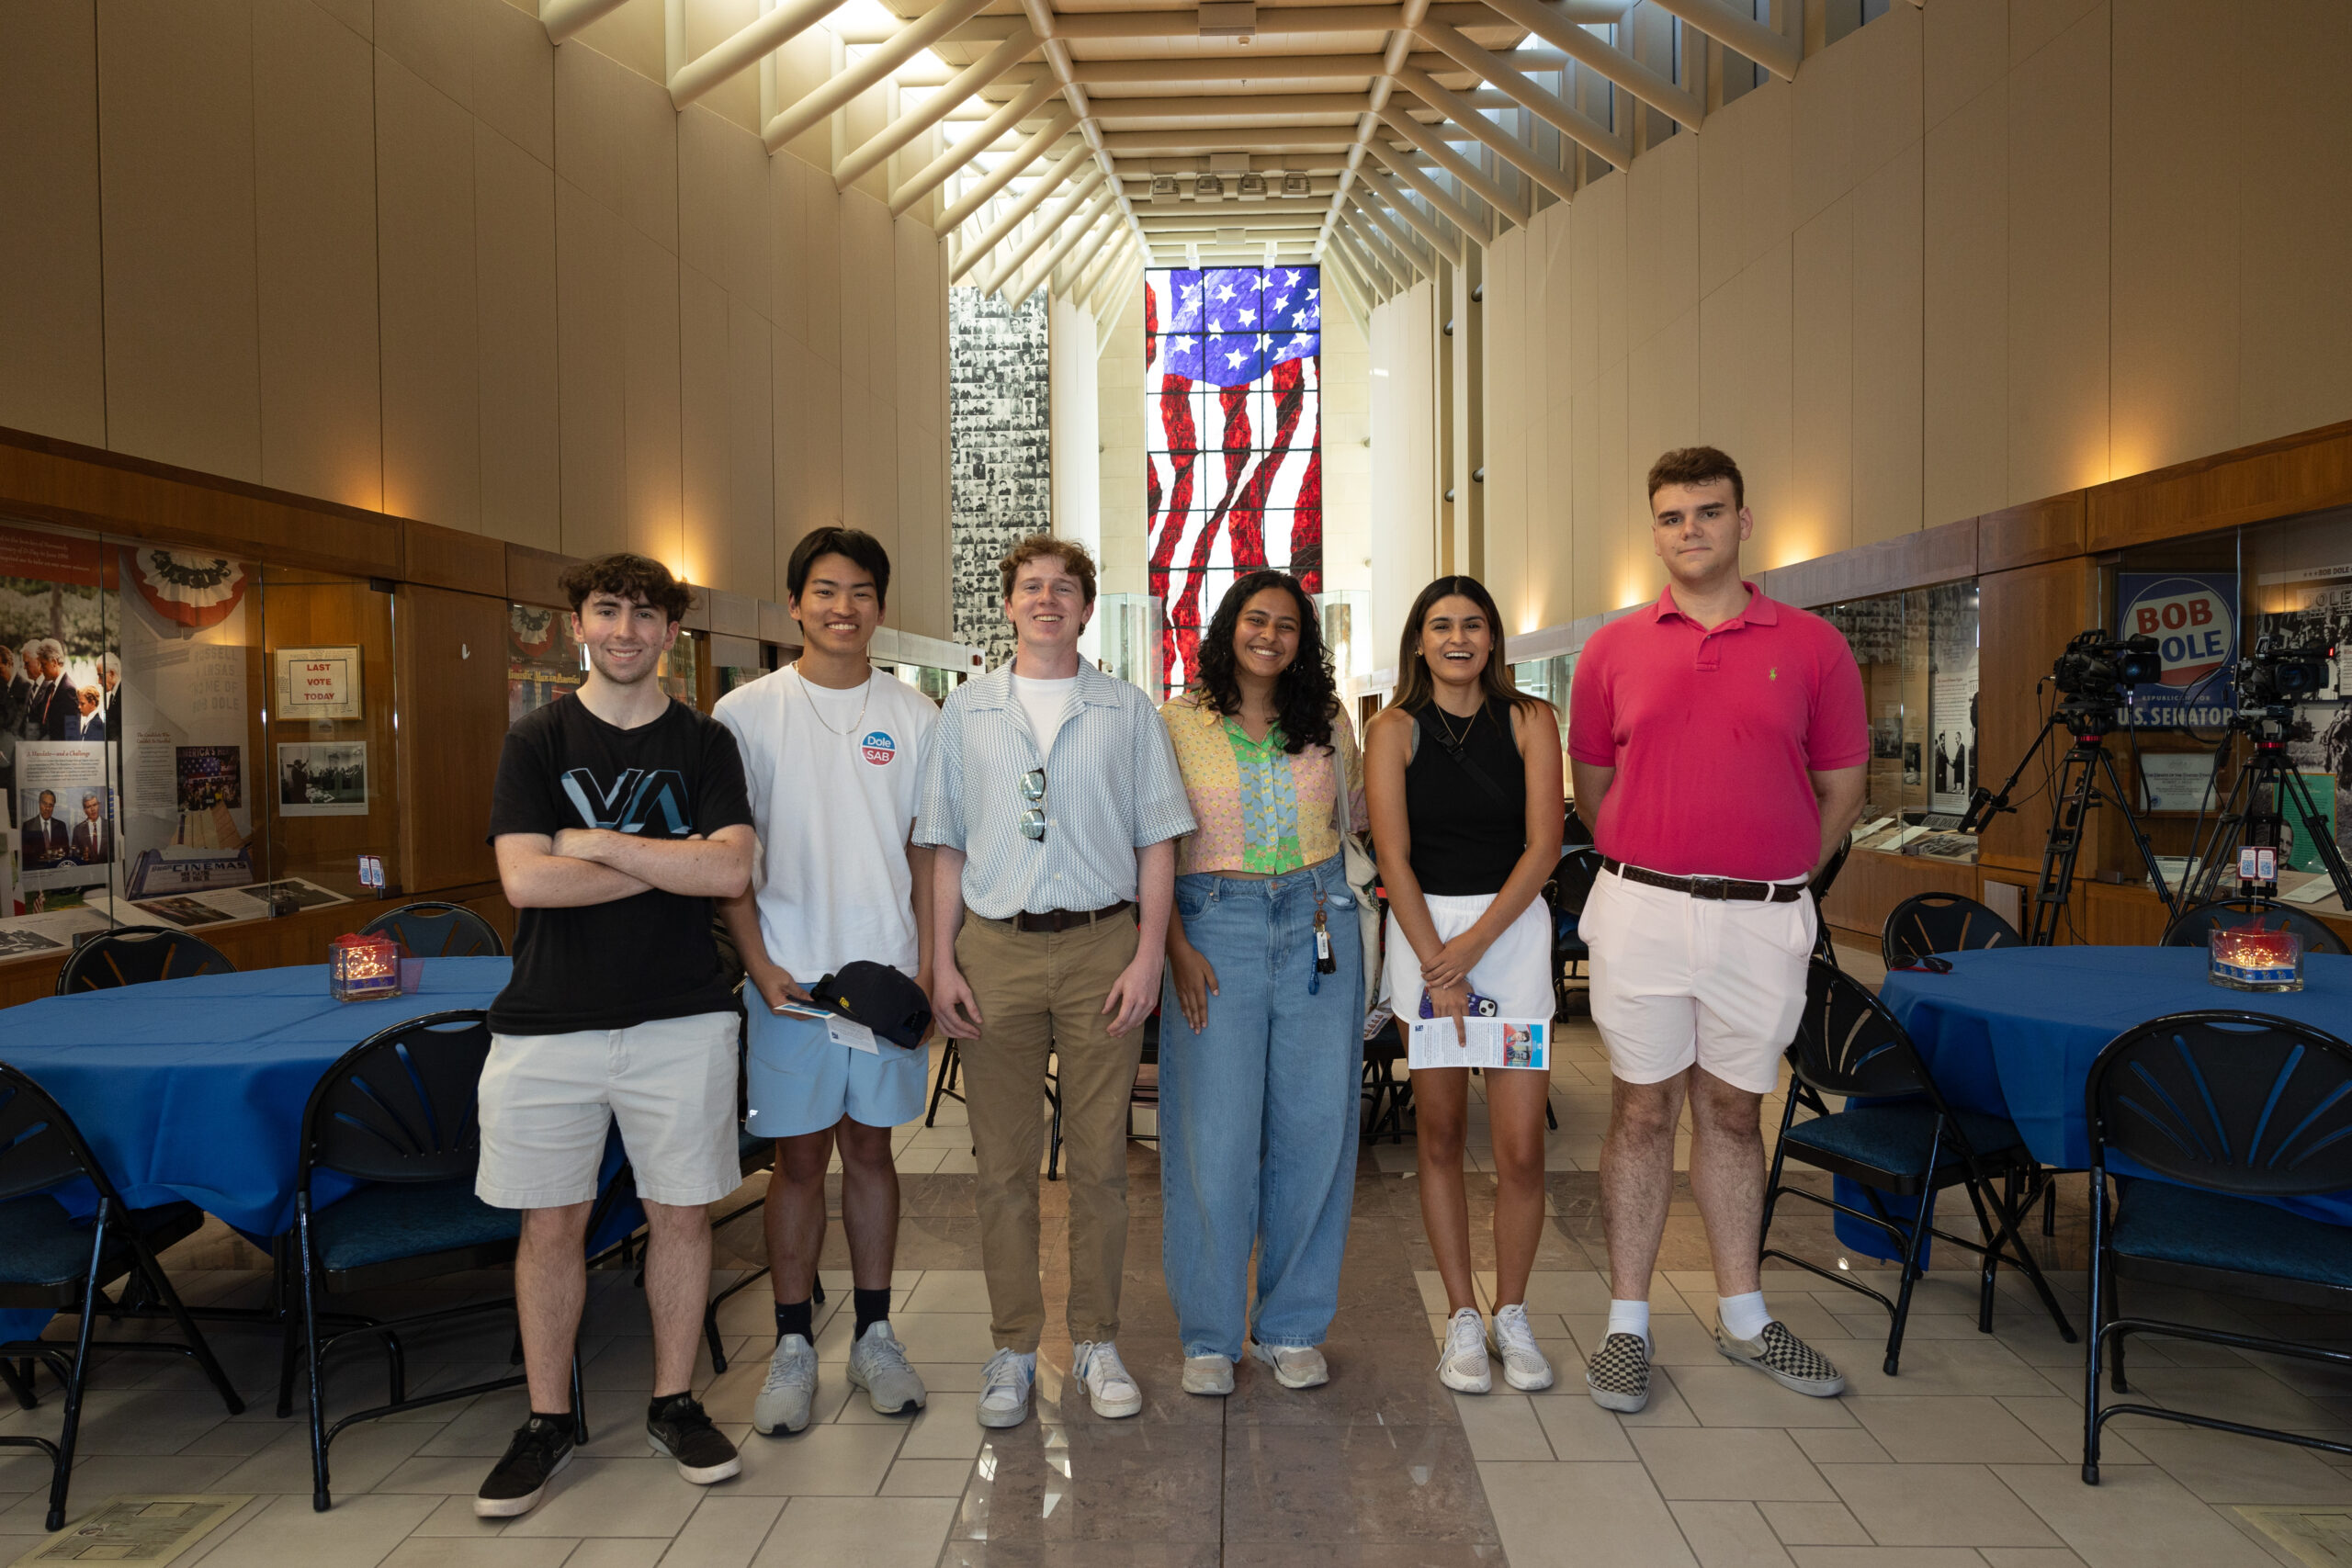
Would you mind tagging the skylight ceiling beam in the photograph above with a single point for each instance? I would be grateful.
(1402, 265)
(1039, 233)
(935, 172)
(1444, 200)
(1572, 122)
(1383, 283)
(1423, 137)
(1751, 37)
(1432, 229)
(1252, 107)
(1292, 21)
(1106, 201)
(875, 66)
(1636, 78)
(1225, 138)
(972, 200)
(1522, 156)
(906, 127)
(1044, 23)
(1399, 238)
(1394, 51)
(1076, 270)
(562, 19)
(690, 79)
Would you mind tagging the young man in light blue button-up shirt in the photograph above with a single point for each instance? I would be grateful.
(1052, 795)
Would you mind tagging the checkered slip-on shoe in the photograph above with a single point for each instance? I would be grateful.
(1786, 1359)
(1619, 1374)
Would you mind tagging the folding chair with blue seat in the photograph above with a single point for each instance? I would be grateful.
(1847, 1043)
(2193, 925)
(50, 1261)
(1942, 922)
(133, 956)
(2202, 1117)
(397, 1112)
(433, 928)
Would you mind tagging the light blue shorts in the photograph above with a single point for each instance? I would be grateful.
(800, 1081)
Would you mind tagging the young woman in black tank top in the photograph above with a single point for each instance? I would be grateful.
(1463, 777)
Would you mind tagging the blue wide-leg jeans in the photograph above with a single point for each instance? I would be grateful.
(1258, 1111)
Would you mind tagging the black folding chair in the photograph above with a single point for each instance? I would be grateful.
(753, 1154)
(48, 1260)
(1823, 880)
(1942, 922)
(1847, 1043)
(1388, 1098)
(132, 956)
(1565, 893)
(2192, 925)
(398, 1110)
(2225, 1109)
(431, 929)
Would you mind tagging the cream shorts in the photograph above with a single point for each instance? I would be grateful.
(1679, 981)
(1516, 971)
(548, 1101)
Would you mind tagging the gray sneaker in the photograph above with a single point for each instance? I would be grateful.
(791, 1389)
(878, 1363)
(1786, 1359)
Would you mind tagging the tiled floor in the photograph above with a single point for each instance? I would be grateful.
(1969, 1457)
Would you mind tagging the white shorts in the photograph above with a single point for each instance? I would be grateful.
(548, 1101)
(1515, 972)
(1677, 981)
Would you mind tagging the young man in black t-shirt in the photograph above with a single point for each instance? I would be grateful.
(619, 817)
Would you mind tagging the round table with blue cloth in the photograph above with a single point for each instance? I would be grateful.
(194, 1089)
(2013, 1031)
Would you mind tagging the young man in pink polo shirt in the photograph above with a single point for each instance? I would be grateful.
(1717, 741)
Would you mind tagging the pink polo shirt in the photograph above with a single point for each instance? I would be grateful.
(1713, 734)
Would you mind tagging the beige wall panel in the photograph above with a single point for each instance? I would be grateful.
(2181, 147)
(2035, 24)
(519, 338)
(1889, 351)
(808, 444)
(1607, 570)
(1505, 567)
(1967, 310)
(877, 290)
(801, 66)
(1891, 54)
(915, 286)
(1723, 170)
(788, 247)
(707, 483)
(649, 397)
(359, 16)
(820, 241)
(751, 453)
(52, 329)
(712, 22)
(1764, 122)
(1821, 498)
(424, 152)
(919, 568)
(1745, 371)
(1597, 278)
(1403, 511)
(1662, 229)
(616, 138)
(630, 36)
(1557, 344)
(1661, 410)
(2059, 292)
(592, 297)
(1966, 51)
(314, 188)
(856, 256)
(183, 374)
(434, 38)
(1825, 161)
(513, 77)
(722, 208)
(2297, 370)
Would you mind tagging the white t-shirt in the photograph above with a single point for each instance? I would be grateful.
(834, 806)
(1044, 702)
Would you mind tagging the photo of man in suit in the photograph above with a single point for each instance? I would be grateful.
(110, 678)
(45, 840)
(93, 836)
(16, 691)
(90, 722)
(53, 714)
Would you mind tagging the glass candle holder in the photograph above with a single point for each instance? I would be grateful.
(360, 968)
(2248, 958)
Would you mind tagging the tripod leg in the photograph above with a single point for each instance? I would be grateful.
(2317, 829)
(2139, 839)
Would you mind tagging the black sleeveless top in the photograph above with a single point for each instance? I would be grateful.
(1467, 834)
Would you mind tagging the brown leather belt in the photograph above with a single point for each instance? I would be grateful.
(1715, 888)
(1066, 920)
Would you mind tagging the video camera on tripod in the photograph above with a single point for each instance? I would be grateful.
(2276, 675)
(2094, 677)
(2249, 833)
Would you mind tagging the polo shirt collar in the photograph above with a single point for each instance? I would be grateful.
(1760, 611)
(994, 690)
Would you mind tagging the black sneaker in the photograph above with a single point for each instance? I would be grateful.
(516, 1482)
(681, 1430)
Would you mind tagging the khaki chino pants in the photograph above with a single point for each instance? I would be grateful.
(1041, 994)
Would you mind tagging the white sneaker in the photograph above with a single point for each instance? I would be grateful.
(878, 1364)
(1095, 1363)
(1525, 1367)
(785, 1399)
(1463, 1366)
(1005, 1383)
(1208, 1374)
(1295, 1366)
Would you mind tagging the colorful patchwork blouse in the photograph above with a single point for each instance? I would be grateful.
(1260, 809)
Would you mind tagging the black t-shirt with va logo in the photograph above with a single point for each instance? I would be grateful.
(648, 956)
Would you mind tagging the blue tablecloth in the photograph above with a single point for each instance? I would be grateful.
(2013, 1031)
(194, 1089)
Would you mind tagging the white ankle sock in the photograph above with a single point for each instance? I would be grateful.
(1743, 1317)
(1630, 1317)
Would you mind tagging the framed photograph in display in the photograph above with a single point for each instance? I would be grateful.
(326, 778)
(2177, 781)
(320, 682)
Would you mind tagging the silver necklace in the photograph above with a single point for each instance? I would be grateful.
(856, 724)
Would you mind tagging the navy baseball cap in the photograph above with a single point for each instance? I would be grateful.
(878, 997)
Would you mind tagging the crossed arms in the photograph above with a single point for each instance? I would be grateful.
(579, 866)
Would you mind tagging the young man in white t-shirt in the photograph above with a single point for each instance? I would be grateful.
(833, 751)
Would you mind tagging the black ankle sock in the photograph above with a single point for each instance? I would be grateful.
(557, 1418)
(871, 1307)
(660, 1402)
(796, 1318)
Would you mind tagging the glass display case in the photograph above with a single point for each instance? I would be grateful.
(1917, 650)
(186, 740)
(544, 661)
